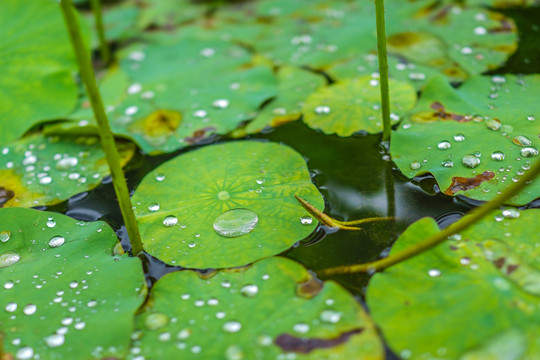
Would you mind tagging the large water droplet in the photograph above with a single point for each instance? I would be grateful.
(4, 236)
(11, 307)
(497, 156)
(330, 316)
(470, 161)
(443, 145)
(66, 163)
(235, 222)
(153, 207)
(521, 140)
(434, 273)
(493, 124)
(9, 259)
(301, 328)
(170, 221)
(156, 320)
(459, 137)
(55, 340)
(221, 103)
(511, 213)
(223, 195)
(25, 353)
(30, 309)
(249, 290)
(448, 163)
(529, 151)
(415, 165)
(56, 241)
(319, 110)
(232, 326)
(306, 220)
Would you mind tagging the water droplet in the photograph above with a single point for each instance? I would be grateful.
(319, 110)
(480, 30)
(415, 165)
(511, 213)
(153, 207)
(470, 161)
(234, 352)
(232, 326)
(226, 284)
(306, 220)
(55, 340)
(521, 140)
(301, 328)
(30, 309)
(221, 104)
(8, 259)
(443, 145)
(200, 113)
(131, 110)
(447, 163)
(235, 222)
(80, 325)
(434, 272)
(4, 236)
(497, 156)
(56, 241)
(9, 285)
(531, 118)
(529, 151)
(92, 303)
(25, 353)
(330, 316)
(170, 221)
(459, 137)
(183, 334)
(134, 88)
(223, 195)
(11, 307)
(493, 124)
(46, 180)
(66, 163)
(160, 177)
(156, 320)
(208, 52)
(73, 284)
(164, 336)
(249, 290)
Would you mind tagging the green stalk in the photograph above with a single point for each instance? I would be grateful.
(383, 69)
(107, 138)
(104, 49)
(474, 216)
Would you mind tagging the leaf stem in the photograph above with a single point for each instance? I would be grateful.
(104, 49)
(474, 216)
(107, 137)
(383, 69)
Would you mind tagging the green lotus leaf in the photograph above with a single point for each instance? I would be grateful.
(272, 309)
(353, 105)
(37, 66)
(473, 297)
(225, 205)
(118, 22)
(64, 294)
(294, 86)
(168, 13)
(476, 140)
(45, 170)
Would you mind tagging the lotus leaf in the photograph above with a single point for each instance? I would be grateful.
(475, 140)
(64, 294)
(225, 205)
(271, 309)
(37, 66)
(44, 170)
(353, 105)
(473, 297)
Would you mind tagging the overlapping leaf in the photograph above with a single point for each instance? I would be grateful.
(273, 309)
(44, 170)
(64, 295)
(472, 297)
(476, 140)
(225, 205)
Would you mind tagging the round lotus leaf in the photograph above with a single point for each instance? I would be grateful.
(353, 105)
(64, 294)
(45, 170)
(181, 205)
(37, 65)
(474, 296)
(273, 309)
(294, 86)
(476, 140)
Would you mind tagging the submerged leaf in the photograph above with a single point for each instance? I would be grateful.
(64, 296)
(253, 313)
(473, 297)
(225, 205)
(476, 140)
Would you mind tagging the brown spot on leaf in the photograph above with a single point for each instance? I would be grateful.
(310, 288)
(463, 184)
(5, 196)
(511, 268)
(290, 343)
(199, 135)
(403, 40)
(499, 263)
(443, 115)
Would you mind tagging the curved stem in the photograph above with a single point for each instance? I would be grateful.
(383, 69)
(107, 138)
(475, 215)
(104, 49)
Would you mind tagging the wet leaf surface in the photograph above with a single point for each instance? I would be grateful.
(482, 286)
(37, 65)
(253, 313)
(45, 170)
(64, 294)
(225, 205)
(476, 140)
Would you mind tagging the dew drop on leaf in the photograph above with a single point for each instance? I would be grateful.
(497, 156)
(434, 272)
(55, 340)
(459, 137)
(156, 321)
(56, 241)
(11, 307)
(249, 290)
(170, 221)
(319, 110)
(4, 236)
(330, 316)
(511, 213)
(443, 145)
(232, 326)
(470, 161)
(306, 220)
(235, 222)
(8, 259)
(447, 163)
(529, 151)
(415, 165)
(25, 353)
